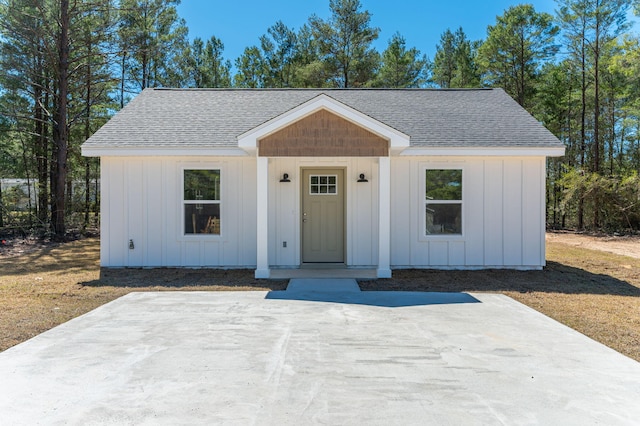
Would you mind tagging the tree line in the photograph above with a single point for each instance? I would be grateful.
(68, 65)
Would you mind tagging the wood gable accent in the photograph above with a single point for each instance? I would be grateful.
(323, 134)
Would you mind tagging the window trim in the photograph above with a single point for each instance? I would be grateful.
(182, 235)
(423, 201)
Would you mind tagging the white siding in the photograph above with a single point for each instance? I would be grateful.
(493, 213)
(113, 238)
(154, 202)
(361, 224)
(503, 214)
(136, 228)
(474, 212)
(284, 213)
(141, 201)
(404, 210)
(512, 218)
(533, 176)
(363, 230)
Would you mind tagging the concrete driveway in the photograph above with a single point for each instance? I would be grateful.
(308, 357)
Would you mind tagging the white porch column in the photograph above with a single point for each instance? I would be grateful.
(384, 214)
(262, 211)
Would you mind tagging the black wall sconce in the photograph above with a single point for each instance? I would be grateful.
(362, 178)
(285, 178)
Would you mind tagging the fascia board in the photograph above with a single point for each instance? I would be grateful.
(104, 151)
(485, 152)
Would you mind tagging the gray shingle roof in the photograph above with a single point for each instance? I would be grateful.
(215, 117)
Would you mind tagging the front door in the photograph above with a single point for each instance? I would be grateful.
(323, 216)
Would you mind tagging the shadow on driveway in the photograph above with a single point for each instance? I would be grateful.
(386, 299)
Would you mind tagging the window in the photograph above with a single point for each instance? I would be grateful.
(443, 202)
(201, 202)
(323, 184)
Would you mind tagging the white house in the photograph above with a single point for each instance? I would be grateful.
(284, 178)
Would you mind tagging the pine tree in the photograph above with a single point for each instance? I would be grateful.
(402, 67)
(208, 67)
(515, 49)
(279, 52)
(153, 42)
(344, 43)
(52, 53)
(251, 69)
(454, 64)
(589, 25)
(309, 68)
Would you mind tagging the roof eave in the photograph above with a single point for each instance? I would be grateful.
(160, 151)
(546, 151)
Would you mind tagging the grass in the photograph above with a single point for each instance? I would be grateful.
(594, 292)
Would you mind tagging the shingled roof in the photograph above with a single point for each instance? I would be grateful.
(212, 118)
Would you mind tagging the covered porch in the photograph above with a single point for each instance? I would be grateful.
(323, 150)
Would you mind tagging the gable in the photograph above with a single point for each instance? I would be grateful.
(342, 123)
(323, 134)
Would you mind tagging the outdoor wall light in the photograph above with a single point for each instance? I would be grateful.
(131, 246)
(285, 178)
(362, 178)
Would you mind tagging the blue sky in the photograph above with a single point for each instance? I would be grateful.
(240, 23)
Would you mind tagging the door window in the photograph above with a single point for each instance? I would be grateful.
(323, 184)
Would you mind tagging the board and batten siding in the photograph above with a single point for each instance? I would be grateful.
(142, 202)
(361, 216)
(502, 214)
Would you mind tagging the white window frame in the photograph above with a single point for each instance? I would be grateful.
(423, 201)
(183, 236)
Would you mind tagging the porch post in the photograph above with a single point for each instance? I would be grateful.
(384, 214)
(262, 210)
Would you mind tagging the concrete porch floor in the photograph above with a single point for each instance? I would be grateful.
(329, 272)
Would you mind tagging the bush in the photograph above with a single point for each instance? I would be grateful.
(611, 203)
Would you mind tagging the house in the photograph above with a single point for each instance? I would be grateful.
(282, 178)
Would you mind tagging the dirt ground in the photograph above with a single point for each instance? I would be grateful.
(11, 247)
(625, 245)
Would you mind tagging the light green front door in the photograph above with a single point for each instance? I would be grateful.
(323, 216)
